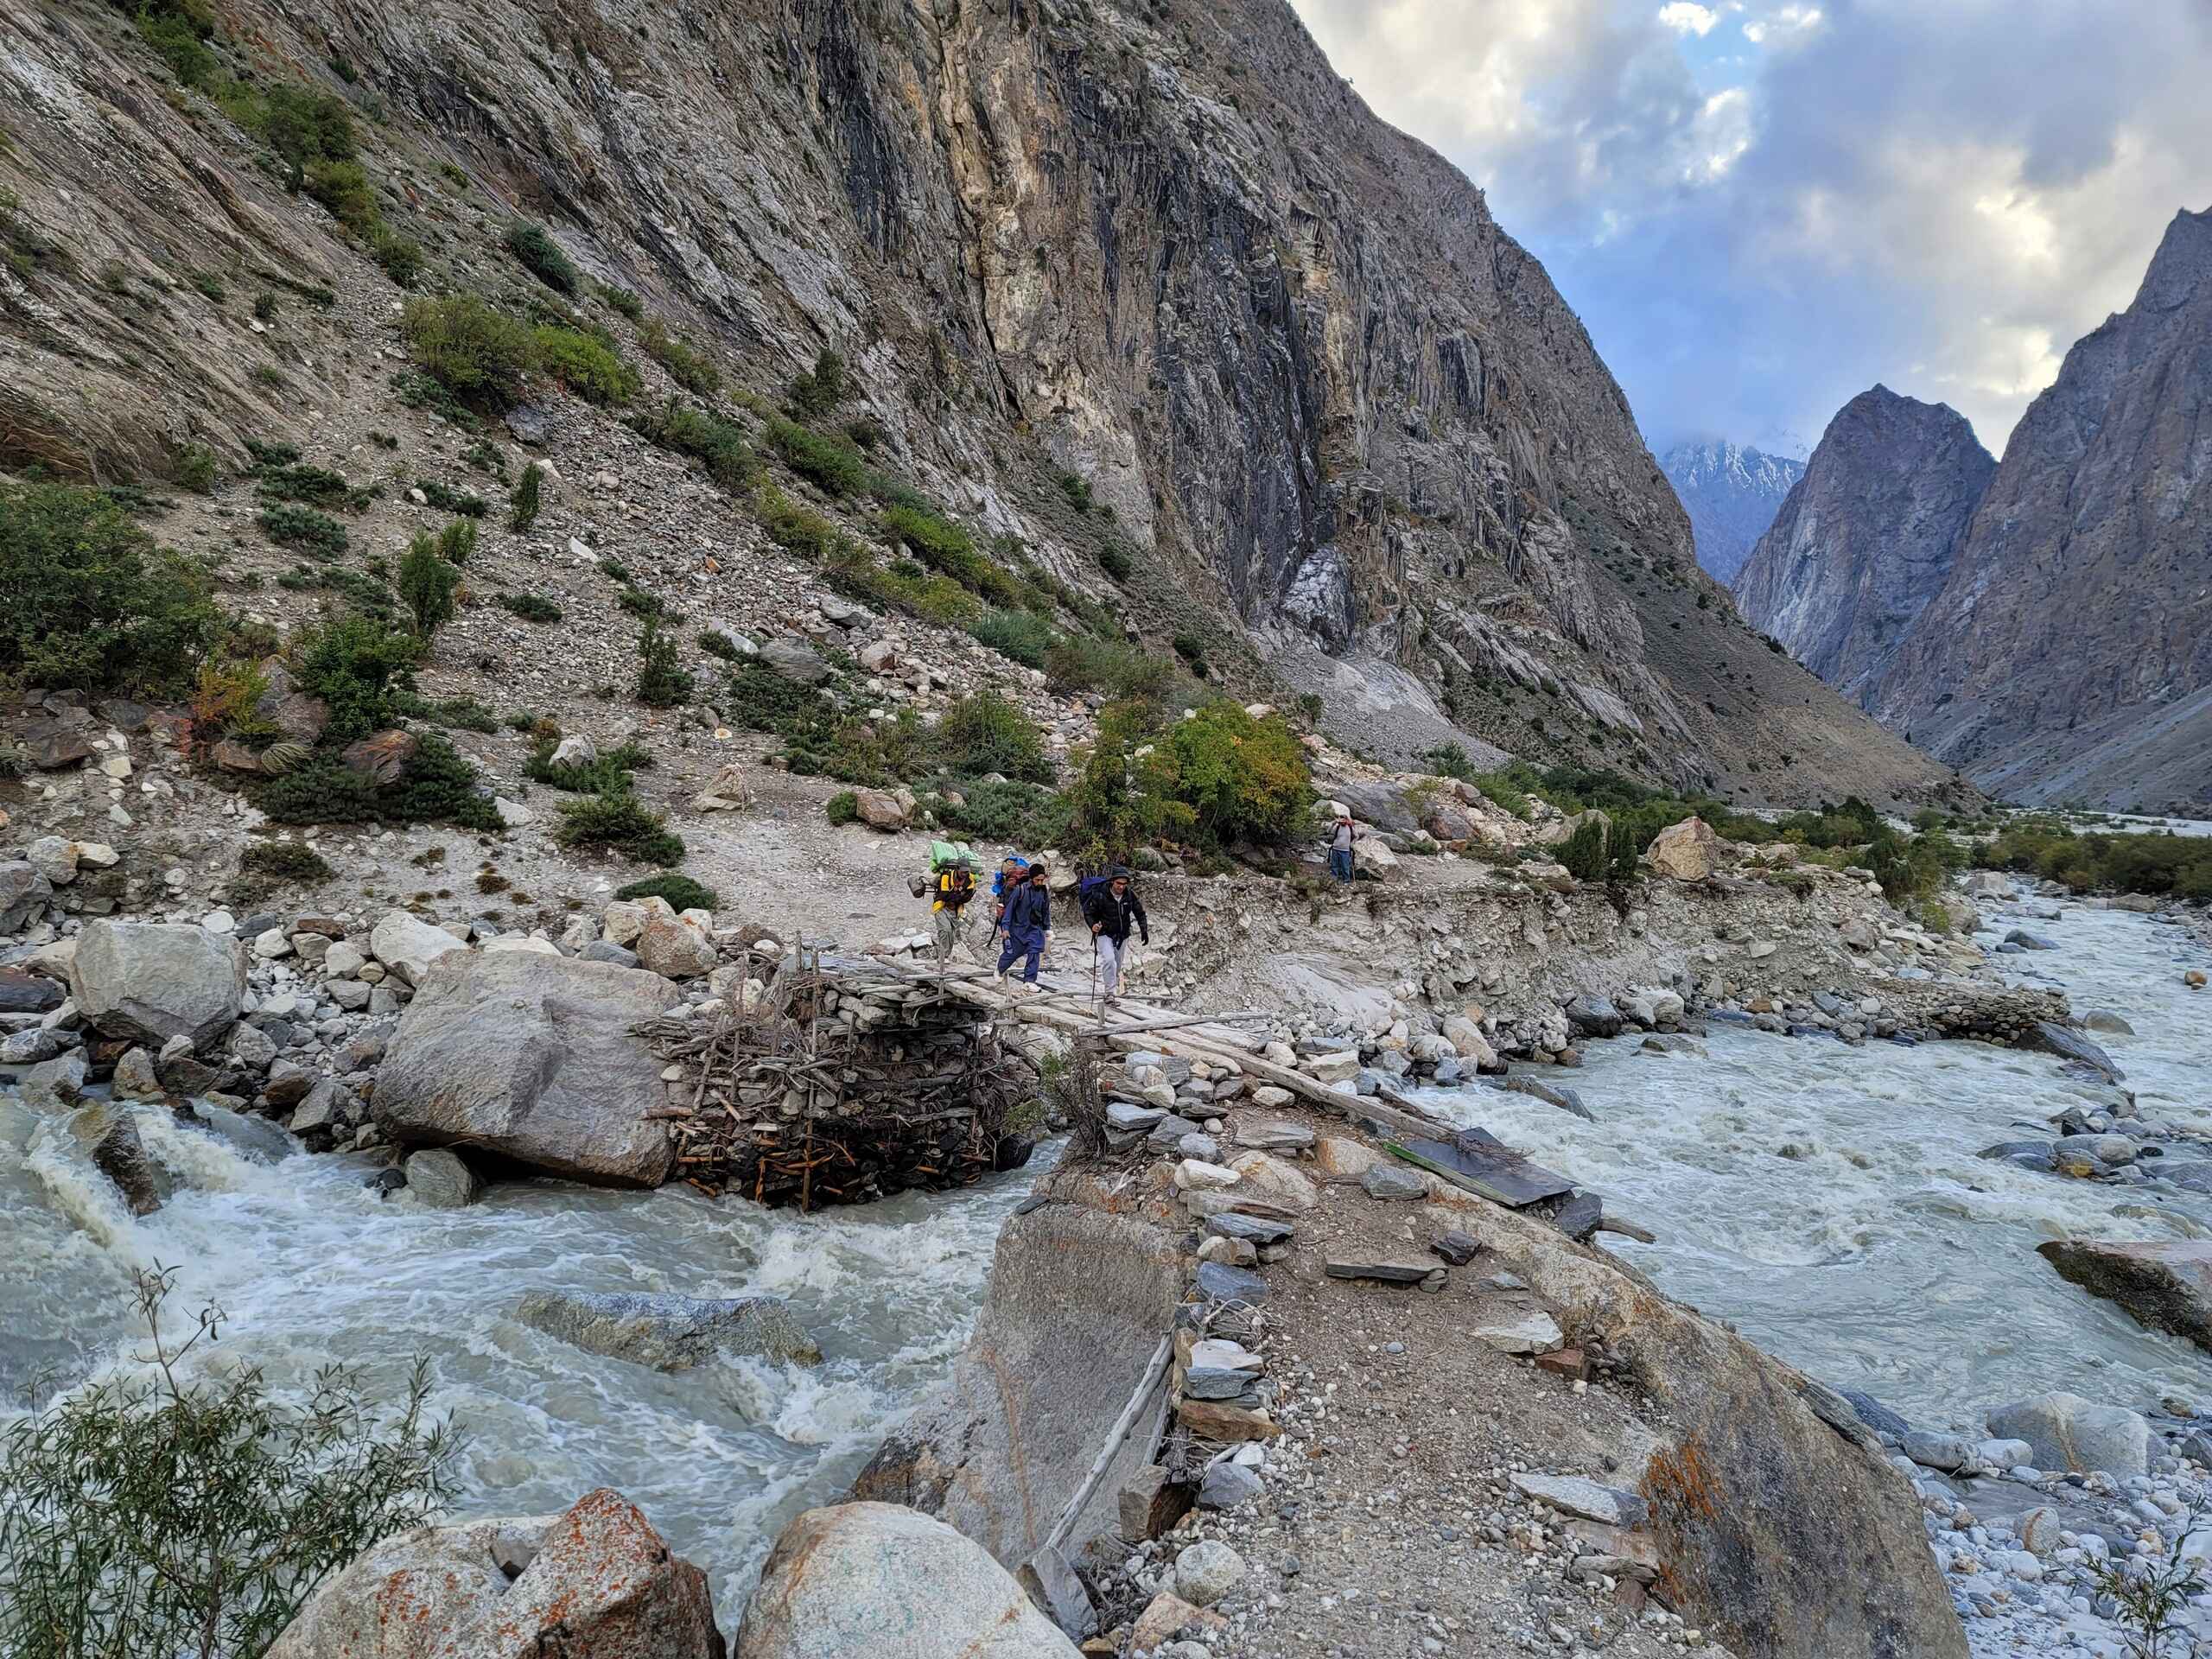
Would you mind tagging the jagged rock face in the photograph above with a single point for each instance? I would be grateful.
(2069, 654)
(1167, 249)
(1731, 493)
(1867, 536)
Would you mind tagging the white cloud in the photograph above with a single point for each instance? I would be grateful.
(1943, 197)
(1686, 17)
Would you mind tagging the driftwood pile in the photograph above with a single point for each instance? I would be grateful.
(852, 1081)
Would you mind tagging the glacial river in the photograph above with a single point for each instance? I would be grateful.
(1828, 1201)
(313, 1268)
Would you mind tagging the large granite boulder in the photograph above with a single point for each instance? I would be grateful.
(596, 1580)
(1079, 1299)
(2166, 1285)
(879, 1581)
(669, 1333)
(408, 944)
(2066, 1431)
(148, 981)
(1685, 851)
(531, 1059)
(1785, 1534)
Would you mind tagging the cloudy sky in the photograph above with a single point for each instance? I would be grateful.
(1761, 207)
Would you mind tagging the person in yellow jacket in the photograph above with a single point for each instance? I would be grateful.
(951, 889)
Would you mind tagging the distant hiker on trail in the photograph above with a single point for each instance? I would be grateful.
(1340, 840)
(1028, 923)
(953, 886)
(1110, 906)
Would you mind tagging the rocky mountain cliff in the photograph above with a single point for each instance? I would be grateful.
(1866, 538)
(1731, 493)
(1148, 290)
(2068, 655)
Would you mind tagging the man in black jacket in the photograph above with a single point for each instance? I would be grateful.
(1112, 907)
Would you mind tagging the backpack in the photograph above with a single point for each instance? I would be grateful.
(956, 885)
(946, 853)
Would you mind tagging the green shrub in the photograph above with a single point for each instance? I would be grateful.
(843, 807)
(761, 700)
(354, 663)
(681, 892)
(440, 787)
(457, 542)
(618, 823)
(531, 608)
(192, 468)
(465, 714)
(828, 463)
(400, 256)
(1116, 561)
(478, 354)
(2159, 864)
(1077, 488)
(181, 45)
(638, 602)
(290, 526)
(792, 527)
(815, 395)
(541, 256)
(284, 860)
(1448, 760)
(1019, 636)
(692, 369)
(706, 437)
(306, 127)
(1243, 779)
(622, 300)
(1116, 802)
(984, 733)
(446, 498)
(173, 1510)
(298, 482)
(719, 644)
(662, 682)
(427, 584)
(1022, 814)
(522, 512)
(1122, 672)
(586, 365)
(343, 188)
(608, 775)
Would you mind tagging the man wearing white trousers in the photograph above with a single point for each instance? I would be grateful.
(1112, 908)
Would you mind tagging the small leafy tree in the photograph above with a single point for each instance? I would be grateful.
(984, 733)
(305, 127)
(2152, 1591)
(662, 681)
(1243, 779)
(522, 512)
(817, 393)
(428, 582)
(172, 1515)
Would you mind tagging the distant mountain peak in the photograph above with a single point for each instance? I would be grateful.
(1732, 492)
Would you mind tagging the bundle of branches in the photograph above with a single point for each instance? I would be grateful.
(849, 1083)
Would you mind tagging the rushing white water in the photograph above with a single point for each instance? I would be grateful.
(312, 1268)
(1827, 1201)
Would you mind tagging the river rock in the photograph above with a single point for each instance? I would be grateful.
(24, 891)
(669, 1334)
(148, 981)
(2028, 941)
(1226, 1486)
(438, 1179)
(2070, 1044)
(2110, 1024)
(1594, 1016)
(2068, 1432)
(109, 1135)
(795, 659)
(879, 1581)
(407, 946)
(595, 1580)
(54, 1085)
(531, 1058)
(134, 1076)
(1930, 1451)
(2166, 1285)
(24, 993)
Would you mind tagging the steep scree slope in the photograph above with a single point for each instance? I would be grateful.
(1168, 251)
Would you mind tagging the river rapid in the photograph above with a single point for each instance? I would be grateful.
(312, 1268)
(1828, 1202)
